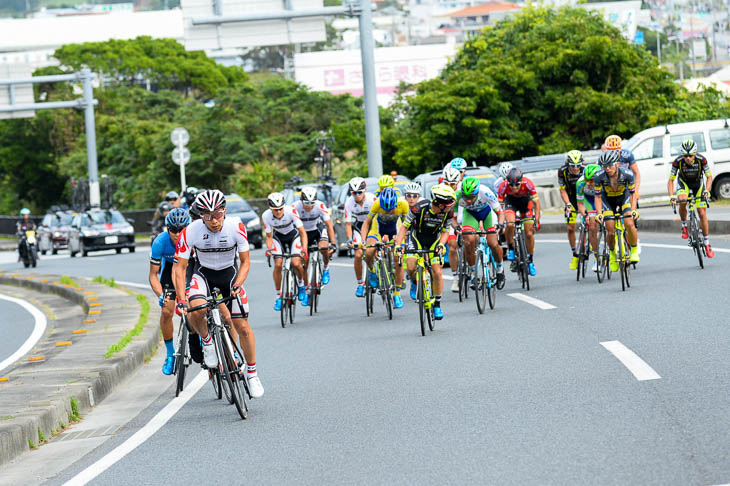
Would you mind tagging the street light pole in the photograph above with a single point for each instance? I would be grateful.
(372, 115)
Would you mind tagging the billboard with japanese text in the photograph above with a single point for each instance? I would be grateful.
(341, 71)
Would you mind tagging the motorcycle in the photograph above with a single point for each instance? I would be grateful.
(28, 249)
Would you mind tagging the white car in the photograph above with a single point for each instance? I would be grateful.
(656, 148)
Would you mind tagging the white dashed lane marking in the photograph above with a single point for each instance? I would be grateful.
(637, 366)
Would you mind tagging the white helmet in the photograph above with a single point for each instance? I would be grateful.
(309, 194)
(275, 200)
(210, 200)
(451, 175)
(357, 184)
(504, 169)
(412, 188)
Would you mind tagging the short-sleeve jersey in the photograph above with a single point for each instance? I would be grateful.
(567, 180)
(356, 214)
(163, 251)
(311, 218)
(626, 159)
(425, 222)
(215, 251)
(690, 172)
(389, 219)
(625, 182)
(284, 226)
(485, 199)
(526, 189)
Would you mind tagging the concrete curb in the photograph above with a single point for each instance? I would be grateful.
(43, 391)
(651, 226)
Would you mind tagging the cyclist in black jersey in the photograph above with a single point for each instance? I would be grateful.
(429, 223)
(568, 176)
(690, 170)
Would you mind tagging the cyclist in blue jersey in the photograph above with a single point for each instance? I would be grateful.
(162, 257)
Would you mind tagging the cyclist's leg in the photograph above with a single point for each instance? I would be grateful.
(609, 204)
(437, 288)
(470, 223)
(509, 231)
(168, 309)
(527, 212)
(239, 317)
(570, 224)
(324, 241)
(701, 206)
(682, 193)
(592, 223)
(453, 251)
(370, 252)
(357, 240)
(278, 249)
(197, 293)
(295, 248)
(631, 232)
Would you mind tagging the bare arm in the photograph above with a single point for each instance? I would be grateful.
(243, 269)
(366, 227)
(155, 280)
(178, 278)
(303, 236)
(637, 177)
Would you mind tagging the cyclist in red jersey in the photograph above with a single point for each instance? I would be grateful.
(518, 193)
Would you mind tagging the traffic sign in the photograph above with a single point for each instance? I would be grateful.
(180, 136)
(181, 155)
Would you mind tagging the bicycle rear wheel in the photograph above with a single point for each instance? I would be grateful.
(524, 263)
(492, 282)
(236, 369)
(428, 293)
(284, 297)
(181, 357)
(386, 286)
(421, 300)
(480, 285)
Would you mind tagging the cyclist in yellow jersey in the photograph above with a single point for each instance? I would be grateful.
(386, 212)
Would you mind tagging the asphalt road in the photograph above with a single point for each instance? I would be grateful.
(519, 395)
(17, 326)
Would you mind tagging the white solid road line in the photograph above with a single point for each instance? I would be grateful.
(38, 329)
(531, 300)
(635, 365)
(141, 435)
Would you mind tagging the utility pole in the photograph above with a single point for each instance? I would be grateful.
(372, 115)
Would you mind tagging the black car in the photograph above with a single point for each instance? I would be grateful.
(238, 207)
(53, 231)
(100, 229)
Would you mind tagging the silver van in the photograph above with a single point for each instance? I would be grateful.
(656, 148)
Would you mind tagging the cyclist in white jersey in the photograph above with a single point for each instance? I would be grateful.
(317, 223)
(285, 234)
(357, 208)
(217, 241)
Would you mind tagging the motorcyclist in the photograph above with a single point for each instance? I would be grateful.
(22, 225)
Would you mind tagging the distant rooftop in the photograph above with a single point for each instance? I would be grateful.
(484, 9)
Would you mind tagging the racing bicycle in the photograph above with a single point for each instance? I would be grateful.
(485, 275)
(289, 289)
(384, 269)
(696, 238)
(584, 249)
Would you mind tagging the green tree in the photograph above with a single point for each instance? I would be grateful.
(543, 81)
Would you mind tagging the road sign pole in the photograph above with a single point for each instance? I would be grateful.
(372, 116)
(183, 185)
(94, 196)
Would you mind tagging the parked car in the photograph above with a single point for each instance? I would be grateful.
(338, 208)
(100, 229)
(430, 179)
(53, 231)
(238, 207)
(656, 148)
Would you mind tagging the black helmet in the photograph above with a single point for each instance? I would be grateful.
(514, 176)
(164, 207)
(609, 157)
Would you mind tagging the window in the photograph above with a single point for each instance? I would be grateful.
(675, 142)
(649, 149)
(105, 217)
(720, 139)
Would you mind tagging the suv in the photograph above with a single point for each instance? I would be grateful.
(430, 179)
(656, 148)
(53, 231)
(100, 229)
(238, 207)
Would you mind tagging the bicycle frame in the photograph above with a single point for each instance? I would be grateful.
(485, 280)
(696, 235)
(424, 281)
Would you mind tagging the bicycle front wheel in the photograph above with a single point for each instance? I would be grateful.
(421, 300)
(284, 297)
(480, 285)
(293, 290)
(181, 357)
(463, 276)
(492, 282)
(235, 372)
(697, 240)
(386, 283)
(313, 285)
(215, 380)
(224, 377)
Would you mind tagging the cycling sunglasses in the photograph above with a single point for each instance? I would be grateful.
(357, 193)
(212, 216)
(411, 196)
(174, 229)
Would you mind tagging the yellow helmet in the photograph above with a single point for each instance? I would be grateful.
(386, 180)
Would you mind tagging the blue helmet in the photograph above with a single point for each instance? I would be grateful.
(388, 199)
(25, 211)
(458, 163)
(177, 219)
